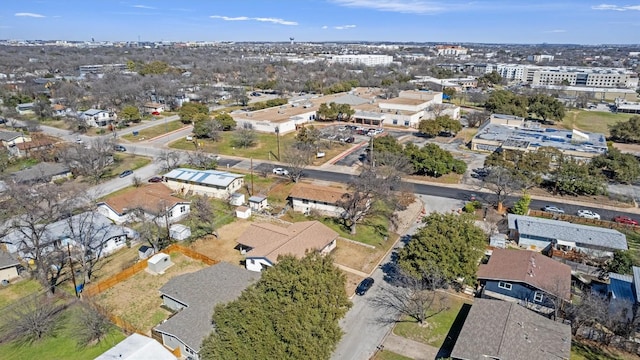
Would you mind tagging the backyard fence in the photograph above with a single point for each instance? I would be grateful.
(585, 221)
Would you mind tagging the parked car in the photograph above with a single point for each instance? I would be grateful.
(281, 171)
(155, 179)
(79, 141)
(126, 173)
(155, 113)
(588, 214)
(119, 148)
(364, 286)
(621, 219)
(350, 139)
(553, 209)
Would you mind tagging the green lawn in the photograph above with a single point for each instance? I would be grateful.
(18, 290)
(438, 326)
(62, 345)
(265, 145)
(160, 129)
(388, 355)
(591, 351)
(127, 162)
(593, 121)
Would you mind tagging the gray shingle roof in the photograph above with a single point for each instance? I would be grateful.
(207, 177)
(7, 260)
(504, 330)
(563, 230)
(201, 291)
(9, 135)
(40, 172)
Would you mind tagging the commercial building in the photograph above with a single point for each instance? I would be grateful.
(515, 133)
(364, 59)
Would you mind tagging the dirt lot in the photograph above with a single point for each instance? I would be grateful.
(356, 256)
(141, 296)
(352, 282)
(223, 247)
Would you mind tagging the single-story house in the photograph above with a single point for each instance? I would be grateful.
(8, 266)
(305, 198)
(539, 234)
(218, 184)
(42, 173)
(243, 212)
(258, 202)
(136, 347)
(97, 117)
(59, 110)
(11, 138)
(262, 243)
(194, 296)
(152, 201)
(497, 329)
(88, 232)
(28, 148)
(527, 278)
(151, 107)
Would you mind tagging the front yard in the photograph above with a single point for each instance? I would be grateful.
(149, 133)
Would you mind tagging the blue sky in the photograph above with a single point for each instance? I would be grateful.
(495, 21)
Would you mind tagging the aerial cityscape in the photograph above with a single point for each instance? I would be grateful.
(339, 179)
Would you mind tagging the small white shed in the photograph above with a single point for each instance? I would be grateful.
(158, 263)
(258, 202)
(179, 232)
(145, 251)
(236, 199)
(243, 212)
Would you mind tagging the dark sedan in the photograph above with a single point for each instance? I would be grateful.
(364, 286)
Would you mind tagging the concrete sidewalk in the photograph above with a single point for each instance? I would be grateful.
(409, 348)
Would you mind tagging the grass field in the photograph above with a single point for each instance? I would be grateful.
(592, 351)
(149, 133)
(127, 162)
(593, 121)
(17, 291)
(438, 325)
(388, 355)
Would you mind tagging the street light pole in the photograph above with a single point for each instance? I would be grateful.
(278, 140)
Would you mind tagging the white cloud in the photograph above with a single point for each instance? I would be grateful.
(344, 27)
(401, 6)
(261, 19)
(25, 14)
(276, 21)
(226, 18)
(556, 31)
(616, 7)
(144, 7)
(325, 27)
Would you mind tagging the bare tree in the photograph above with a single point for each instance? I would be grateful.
(93, 324)
(202, 160)
(34, 211)
(502, 182)
(32, 319)
(415, 297)
(202, 217)
(245, 136)
(168, 160)
(476, 118)
(297, 159)
(92, 160)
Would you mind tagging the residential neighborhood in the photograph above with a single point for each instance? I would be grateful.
(294, 199)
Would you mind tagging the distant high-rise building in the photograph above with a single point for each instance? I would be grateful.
(367, 60)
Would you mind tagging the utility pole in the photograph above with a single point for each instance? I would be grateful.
(73, 273)
(278, 140)
(373, 161)
(251, 166)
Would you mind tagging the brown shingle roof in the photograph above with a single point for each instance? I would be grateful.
(528, 267)
(151, 198)
(497, 329)
(317, 193)
(35, 144)
(269, 240)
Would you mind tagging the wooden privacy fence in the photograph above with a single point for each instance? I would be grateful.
(581, 220)
(127, 273)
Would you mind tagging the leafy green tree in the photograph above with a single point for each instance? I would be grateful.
(334, 112)
(490, 79)
(292, 312)
(192, 112)
(308, 135)
(547, 107)
(626, 131)
(130, 113)
(521, 207)
(621, 263)
(226, 121)
(387, 144)
(154, 68)
(449, 243)
(433, 161)
(617, 166)
(443, 123)
(207, 128)
(450, 92)
(506, 102)
(572, 177)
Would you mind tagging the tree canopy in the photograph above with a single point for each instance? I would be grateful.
(626, 131)
(546, 107)
(617, 166)
(448, 243)
(226, 121)
(443, 123)
(292, 312)
(433, 161)
(333, 111)
(193, 111)
(508, 103)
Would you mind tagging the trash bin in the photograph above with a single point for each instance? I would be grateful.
(135, 133)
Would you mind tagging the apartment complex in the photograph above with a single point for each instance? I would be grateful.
(365, 59)
(450, 50)
(572, 76)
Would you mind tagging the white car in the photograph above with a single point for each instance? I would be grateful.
(588, 214)
(553, 209)
(281, 171)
